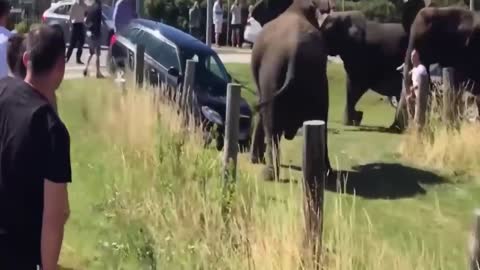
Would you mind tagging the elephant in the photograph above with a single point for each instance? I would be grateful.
(371, 53)
(288, 64)
(448, 36)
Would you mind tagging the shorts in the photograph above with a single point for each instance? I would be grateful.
(218, 28)
(94, 45)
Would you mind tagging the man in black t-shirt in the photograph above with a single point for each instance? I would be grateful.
(34, 158)
(93, 23)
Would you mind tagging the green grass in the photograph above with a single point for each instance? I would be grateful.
(145, 196)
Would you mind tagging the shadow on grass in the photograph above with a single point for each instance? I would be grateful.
(374, 129)
(383, 181)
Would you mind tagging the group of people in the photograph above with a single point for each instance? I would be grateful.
(235, 23)
(87, 21)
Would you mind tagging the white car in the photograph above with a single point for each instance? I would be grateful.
(252, 30)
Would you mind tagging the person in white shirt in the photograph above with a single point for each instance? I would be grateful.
(417, 71)
(77, 30)
(218, 20)
(4, 36)
(236, 23)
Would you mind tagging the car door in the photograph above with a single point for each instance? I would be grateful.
(162, 60)
(60, 17)
(125, 47)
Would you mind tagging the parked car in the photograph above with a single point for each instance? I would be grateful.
(166, 52)
(252, 30)
(58, 15)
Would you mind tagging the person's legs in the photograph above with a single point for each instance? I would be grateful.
(73, 41)
(80, 42)
(98, 51)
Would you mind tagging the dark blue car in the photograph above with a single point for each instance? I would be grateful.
(166, 52)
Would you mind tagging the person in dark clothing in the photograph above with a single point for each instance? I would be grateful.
(34, 158)
(15, 50)
(94, 23)
(77, 36)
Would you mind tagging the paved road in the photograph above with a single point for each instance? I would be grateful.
(227, 55)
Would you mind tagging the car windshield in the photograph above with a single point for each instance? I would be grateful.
(209, 67)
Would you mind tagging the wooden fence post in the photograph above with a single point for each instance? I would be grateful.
(448, 95)
(421, 102)
(230, 148)
(314, 172)
(139, 64)
(188, 83)
(474, 243)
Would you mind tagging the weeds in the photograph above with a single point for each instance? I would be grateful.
(452, 147)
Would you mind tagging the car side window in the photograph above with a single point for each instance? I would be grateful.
(162, 52)
(132, 34)
(62, 10)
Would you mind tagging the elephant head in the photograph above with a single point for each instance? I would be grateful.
(342, 30)
(267, 10)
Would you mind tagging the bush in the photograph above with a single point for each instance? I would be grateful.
(22, 27)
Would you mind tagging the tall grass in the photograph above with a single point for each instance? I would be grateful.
(450, 147)
(166, 197)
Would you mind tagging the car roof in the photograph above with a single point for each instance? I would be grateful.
(183, 40)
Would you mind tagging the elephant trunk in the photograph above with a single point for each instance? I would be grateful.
(401, 115)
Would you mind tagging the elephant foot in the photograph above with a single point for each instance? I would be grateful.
(268, 173)
(353, 119)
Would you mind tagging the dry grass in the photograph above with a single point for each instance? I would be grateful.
(451, 148)
(166, 200)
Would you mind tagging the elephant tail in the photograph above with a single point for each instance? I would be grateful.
(286, 84)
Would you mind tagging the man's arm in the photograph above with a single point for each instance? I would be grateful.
(55, 214)
(56, 171)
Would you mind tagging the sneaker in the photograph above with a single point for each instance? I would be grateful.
(100, 75)
(80, 62)
(85, 72)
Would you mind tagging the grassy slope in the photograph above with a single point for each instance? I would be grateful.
(440, 217)
(426, 206)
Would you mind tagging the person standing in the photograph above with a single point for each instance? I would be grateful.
(236, 23)
(218, 20)
(94, 23)
(4, 36)
(35, 166)
(123, 13)
(417, 71)
(77, 30)
(194, 20)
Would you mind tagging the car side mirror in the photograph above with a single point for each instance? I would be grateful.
(173, 72)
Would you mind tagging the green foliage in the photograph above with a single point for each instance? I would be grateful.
(22, 27)
(171, 12)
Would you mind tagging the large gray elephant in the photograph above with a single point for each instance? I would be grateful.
(371, 52)
(449, 36)
(289, 69)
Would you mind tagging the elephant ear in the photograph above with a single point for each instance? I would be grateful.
(355, 33)
(410, 11)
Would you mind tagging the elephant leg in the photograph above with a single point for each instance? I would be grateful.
(272, 168)
(354, 93)
(270, 171)
(258, 144)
